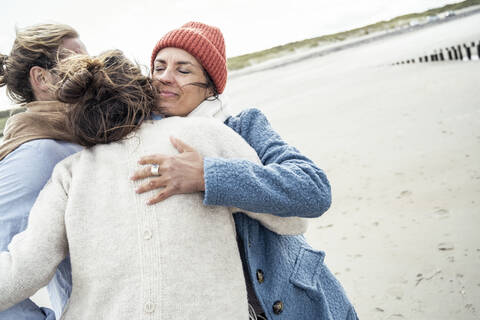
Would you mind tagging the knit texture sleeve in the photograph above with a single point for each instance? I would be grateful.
(287, 184)
(34, 254)
(221, 141)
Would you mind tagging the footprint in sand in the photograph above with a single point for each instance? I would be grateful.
(441, 213)
(445, 246)
(324, 227)
(396, 292)
(404, 194)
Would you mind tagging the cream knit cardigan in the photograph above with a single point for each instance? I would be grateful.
(174, 260)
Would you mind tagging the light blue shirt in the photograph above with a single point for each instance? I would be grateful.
(23, 173)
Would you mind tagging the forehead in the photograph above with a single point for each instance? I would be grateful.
(75, 45)
(175, 55)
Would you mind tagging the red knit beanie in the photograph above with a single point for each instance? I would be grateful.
(202, 41)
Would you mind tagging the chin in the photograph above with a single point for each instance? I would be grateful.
(167, 111)
(170, 113)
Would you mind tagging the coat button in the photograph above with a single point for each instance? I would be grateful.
(260, 277)
(278, 307)
(149, 307)
(147, 234)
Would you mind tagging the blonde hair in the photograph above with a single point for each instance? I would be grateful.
(34, 46)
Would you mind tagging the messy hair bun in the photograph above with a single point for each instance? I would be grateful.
(108, 96)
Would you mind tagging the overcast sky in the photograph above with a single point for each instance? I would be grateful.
(248, 25)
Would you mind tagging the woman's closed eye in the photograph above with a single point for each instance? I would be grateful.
(184, 71)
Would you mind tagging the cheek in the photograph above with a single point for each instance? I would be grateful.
(195, 96)
(188, 102)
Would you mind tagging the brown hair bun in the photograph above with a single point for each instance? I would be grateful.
(108, 96)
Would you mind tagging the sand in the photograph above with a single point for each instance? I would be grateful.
(401, 147)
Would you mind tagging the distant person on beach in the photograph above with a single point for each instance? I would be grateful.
(178, 259)
(284, 275)
(27, 154)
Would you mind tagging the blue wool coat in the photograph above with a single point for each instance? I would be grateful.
(289, 278)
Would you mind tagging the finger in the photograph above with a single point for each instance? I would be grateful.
(154, 183)
(146, 172)
(152, 159)
(180, 145)
(167, 192)
(142, 173)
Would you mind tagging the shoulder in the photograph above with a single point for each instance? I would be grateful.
(194, 125)
(247, 116)
(209, 136)
(32, 163)
(47, 149)
(250, 113)
(248, 121)
(44, 153)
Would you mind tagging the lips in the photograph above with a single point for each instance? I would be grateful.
(167, 94)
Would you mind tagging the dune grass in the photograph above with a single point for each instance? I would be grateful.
(246, 60)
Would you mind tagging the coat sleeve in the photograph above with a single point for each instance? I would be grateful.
(33, 255)
(285, 184)
(230, 146)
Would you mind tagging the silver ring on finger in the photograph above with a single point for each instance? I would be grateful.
(154, 170)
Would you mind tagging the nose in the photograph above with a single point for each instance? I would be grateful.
(165, 76)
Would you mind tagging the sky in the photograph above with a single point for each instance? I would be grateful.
(248, 25)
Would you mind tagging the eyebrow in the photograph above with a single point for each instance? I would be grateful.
(178, 62)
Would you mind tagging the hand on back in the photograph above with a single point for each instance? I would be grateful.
(177, 174)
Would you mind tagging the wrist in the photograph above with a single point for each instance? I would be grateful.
(201, 182)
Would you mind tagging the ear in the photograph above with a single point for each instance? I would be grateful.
(209, 93)
(38, 79)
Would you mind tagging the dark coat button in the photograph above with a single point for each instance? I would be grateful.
(260, 277)
(278, 307)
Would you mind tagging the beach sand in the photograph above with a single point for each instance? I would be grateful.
(401, 147)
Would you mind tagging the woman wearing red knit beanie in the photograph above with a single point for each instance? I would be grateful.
(285, 278)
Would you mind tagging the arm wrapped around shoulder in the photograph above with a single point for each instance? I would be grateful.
(218, 140)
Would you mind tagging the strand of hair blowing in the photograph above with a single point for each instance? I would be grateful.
(108, 97)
